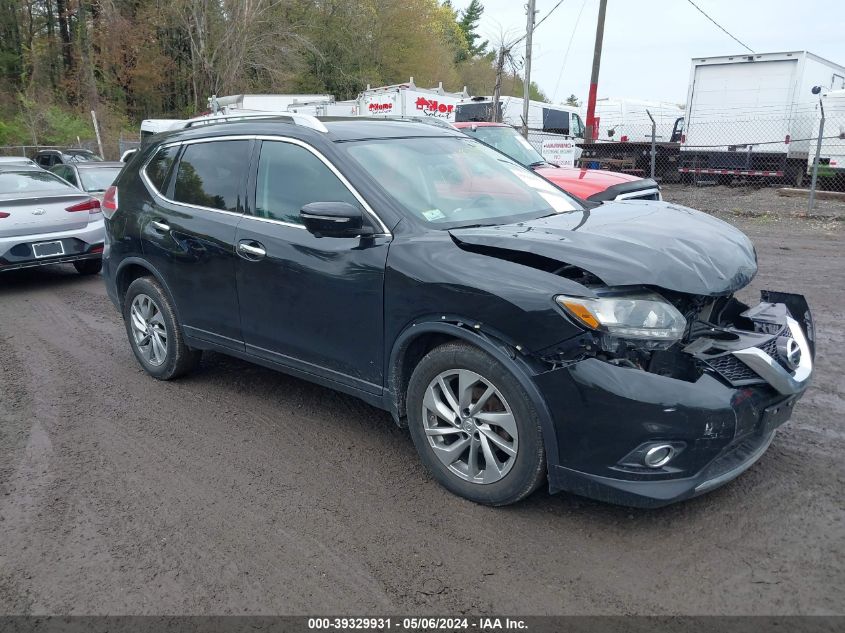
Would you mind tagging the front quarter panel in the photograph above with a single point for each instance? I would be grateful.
(429, 275)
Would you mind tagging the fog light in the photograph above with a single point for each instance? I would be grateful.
(659, 455)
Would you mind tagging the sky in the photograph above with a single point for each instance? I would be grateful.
(648, 44)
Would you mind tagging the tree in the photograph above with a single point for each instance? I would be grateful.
(468, 23)
(572, 100)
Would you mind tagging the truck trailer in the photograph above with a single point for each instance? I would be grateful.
(407, 100)
(623, 141)
(753, 115)
(832, 154)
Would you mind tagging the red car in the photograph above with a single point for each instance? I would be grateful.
(596, 185)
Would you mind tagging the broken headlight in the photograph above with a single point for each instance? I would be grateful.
(627, 315)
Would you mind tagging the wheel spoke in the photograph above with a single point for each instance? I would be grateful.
(466, 381)
(499, 441)
(472, 458)
(442, 430)
(160, 350)
(137, 320)
(503, 420)
(450, 397)
(489, 457)
(449, 454)
(475, 408)
(157, 318)
(439, 408)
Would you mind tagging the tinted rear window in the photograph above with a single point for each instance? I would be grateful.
(160, 165)
(210, 174)
(31, 182)
(476, 112)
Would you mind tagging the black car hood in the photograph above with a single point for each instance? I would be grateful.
(633, 243)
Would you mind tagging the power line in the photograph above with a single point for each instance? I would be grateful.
(568, 46)
(723, 29)
(515, 42)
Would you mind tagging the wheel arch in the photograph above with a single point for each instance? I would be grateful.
(416, 340)
(133, 268)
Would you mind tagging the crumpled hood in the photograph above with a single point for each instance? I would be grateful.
(634, 243)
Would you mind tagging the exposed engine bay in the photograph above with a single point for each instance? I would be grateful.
(771, 343)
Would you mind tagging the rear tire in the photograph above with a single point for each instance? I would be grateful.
(503, 430)
(154, 332)
(89, 266)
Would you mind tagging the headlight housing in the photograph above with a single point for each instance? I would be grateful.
(631, 315)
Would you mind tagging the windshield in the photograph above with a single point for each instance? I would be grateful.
(508, 141)
(451, 181)
(31, 182)
(82, 156)
(98, 179)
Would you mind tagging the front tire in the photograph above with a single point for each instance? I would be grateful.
(474, 426)
(154, 331)
(88, 266)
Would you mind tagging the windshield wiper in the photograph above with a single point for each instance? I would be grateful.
(538, 163)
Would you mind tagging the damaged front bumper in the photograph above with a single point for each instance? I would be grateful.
(612, 419)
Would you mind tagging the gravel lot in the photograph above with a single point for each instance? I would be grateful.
(240, 490)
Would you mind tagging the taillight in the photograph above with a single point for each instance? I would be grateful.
(110, 202)
(3, 214)
(91, 206)
(787, 139)
(683, 138)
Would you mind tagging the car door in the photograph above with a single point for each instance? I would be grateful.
(188, 233)
(314, 304)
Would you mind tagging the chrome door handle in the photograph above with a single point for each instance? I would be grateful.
(253, 250)
(161, 226)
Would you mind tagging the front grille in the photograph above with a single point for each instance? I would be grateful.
(733, 370)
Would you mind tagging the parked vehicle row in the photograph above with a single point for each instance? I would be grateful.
(46, 220)
(519, 334)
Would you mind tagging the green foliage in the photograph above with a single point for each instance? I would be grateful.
(468, 23)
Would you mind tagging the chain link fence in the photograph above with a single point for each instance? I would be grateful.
(760, 149)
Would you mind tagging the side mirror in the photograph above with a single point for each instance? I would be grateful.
(334, 219)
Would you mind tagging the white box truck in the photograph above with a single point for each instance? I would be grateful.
(753, 115)
(407, 100)
(832, 154)
(626, 120)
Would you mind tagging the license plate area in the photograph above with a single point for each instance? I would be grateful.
(777, 414)
(48, 249)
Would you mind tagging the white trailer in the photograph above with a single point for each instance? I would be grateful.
(832, 155)
(150, 127)
(753, 115)
(626, 120)
(325, 108)
(406, 100)
(261, 103)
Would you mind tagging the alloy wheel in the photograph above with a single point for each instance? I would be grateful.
(148, 329)
(470, 426)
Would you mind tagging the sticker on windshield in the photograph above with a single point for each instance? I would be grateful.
(433, 214)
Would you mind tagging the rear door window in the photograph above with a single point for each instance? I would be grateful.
(159, 167)
(211, 174)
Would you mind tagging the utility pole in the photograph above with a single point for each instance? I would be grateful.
(497, 90)
(594, 77)
(526, 88)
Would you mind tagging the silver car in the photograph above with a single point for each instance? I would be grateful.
(44, 220)
(93, 177)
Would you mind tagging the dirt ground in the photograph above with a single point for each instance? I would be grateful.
(239, 490)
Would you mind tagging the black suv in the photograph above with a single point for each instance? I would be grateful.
(516, 333)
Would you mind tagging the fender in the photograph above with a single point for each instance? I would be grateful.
(143, 263)
(520, 366)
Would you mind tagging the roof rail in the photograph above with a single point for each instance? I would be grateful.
(305, 120)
